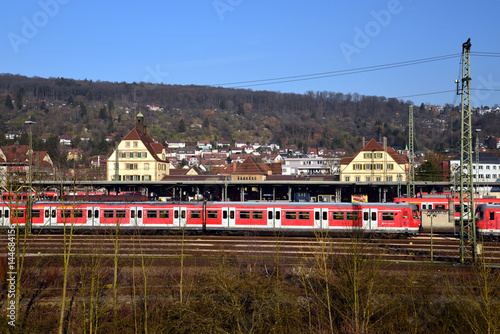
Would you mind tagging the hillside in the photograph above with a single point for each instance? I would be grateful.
(62, 106)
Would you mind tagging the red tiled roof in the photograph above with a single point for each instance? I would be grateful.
(153, 148)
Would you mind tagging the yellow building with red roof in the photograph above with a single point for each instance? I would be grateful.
(138, 157)
(374, 163)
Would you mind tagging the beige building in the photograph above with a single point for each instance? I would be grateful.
(374, 163)
(138, 157)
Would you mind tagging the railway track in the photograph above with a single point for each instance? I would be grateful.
(444, 247)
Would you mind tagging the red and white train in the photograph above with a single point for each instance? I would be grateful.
(443, 203)
(488, 219)
(217, 216)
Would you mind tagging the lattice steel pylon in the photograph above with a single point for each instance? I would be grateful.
(410, 183)
(467, 208)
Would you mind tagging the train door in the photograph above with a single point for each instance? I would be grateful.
(320, 218)
(4, 216)
(93, 218)
(369, 219)
(180, 216)
(228, 215)
(50, 216)
(136, 216)
(274, 217)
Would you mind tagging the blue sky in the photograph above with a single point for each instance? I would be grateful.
(216, 42)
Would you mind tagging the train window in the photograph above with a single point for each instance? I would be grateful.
(1, 213)
(120, 213)
(365, 215)
(257, 215)
(96, 214)
(374, 216)
(269, 215)
(212, 214)
(196, 214)
(352, 215)
(176, 214)
(108, 214)
(244, 214)
(6, 215)
(53, 214)
(139, 214)
(164, 214)
(151, 214)
(18, 213)
(78, 213)
(290, 215)
(183, 214)
(224, 214)
(388, 215)
(89, 213)
(305, 215)
(65, 213)
(440, 206)
(316, 215)
(47, 213)
(337, 215)
(492, 215)
(325, 215)
(231, 214)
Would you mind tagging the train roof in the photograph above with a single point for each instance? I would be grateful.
(199, 203)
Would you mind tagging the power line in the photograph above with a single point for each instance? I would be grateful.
(260, 82)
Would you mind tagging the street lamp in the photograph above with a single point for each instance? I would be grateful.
(30, 180)
(30, 123)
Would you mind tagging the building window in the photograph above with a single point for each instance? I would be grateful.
(368, 179)
(378, 166)
(135, 144)
(347, 178)
(127, 144)
(368, 166)
(378, 155)
(379, 179)
(357, 179)
(390, 166)
(367, 155)
(389, 179)
(146, 166)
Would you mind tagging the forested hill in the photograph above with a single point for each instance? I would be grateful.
(63, 106)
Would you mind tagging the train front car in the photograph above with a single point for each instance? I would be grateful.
(488, 219)
(390, 218)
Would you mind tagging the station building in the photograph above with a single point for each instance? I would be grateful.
(138, 157)
(374, 163)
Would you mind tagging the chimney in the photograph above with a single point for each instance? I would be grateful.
(385, 144)
(364, 142)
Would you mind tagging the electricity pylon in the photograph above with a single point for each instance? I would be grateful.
(467, 208)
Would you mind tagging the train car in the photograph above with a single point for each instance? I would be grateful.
(369, 217)
(443, 203)
(488, 219)
(12, 213)
(96, 215)
(228, 216)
